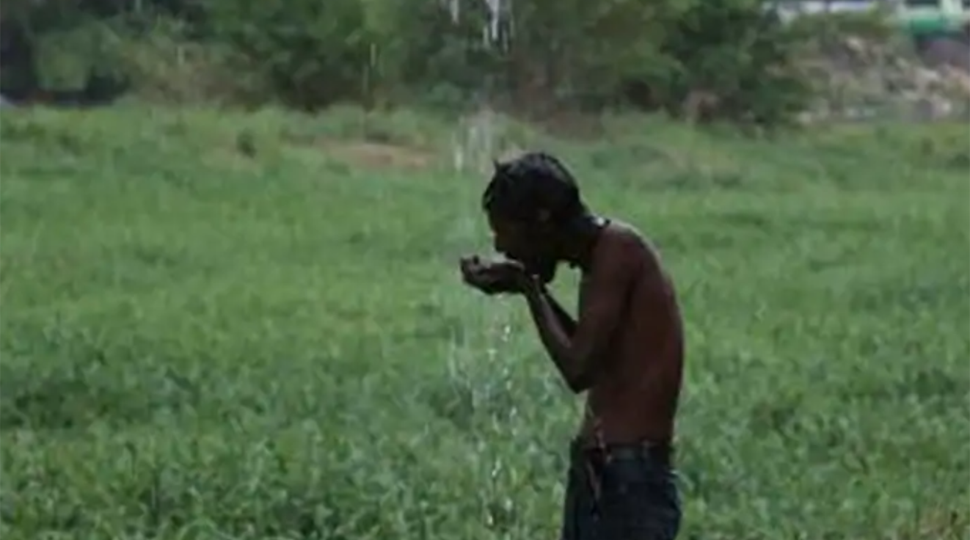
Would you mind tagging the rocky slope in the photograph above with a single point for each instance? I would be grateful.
(861, 79)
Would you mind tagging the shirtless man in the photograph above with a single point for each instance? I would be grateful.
(626, 348)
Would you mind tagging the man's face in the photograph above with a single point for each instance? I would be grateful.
(529, 245)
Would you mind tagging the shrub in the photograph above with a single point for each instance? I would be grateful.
(731, 58)
(307, 53)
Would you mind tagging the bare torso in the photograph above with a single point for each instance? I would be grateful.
(635, 398)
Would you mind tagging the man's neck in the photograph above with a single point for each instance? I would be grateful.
(582, 239)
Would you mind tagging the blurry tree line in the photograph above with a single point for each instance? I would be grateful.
(730, 59)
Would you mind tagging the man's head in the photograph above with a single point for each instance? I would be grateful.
(532, 202)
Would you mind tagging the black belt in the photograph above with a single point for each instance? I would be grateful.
(658, 452)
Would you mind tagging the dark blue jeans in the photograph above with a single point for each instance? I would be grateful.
(621, 492)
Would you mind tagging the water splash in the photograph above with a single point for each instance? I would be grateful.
(474, 143)
(499, 337)
(455, 7)
(495, 10)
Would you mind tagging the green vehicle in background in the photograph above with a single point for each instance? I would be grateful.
(939, 29)
(927, 19)
(919, 18)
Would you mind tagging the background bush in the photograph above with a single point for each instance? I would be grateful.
(541, 56)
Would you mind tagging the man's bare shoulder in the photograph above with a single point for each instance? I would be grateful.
(633, 250)
(626, 240)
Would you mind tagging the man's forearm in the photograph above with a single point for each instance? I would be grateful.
(555, 335)
(565, 319)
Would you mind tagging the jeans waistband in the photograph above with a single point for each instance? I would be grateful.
(658, 452)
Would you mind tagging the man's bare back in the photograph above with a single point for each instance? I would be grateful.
(637, 393)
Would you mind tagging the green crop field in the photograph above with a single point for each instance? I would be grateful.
(218, 326)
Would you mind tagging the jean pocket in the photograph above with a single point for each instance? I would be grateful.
(629, 473)
(640, 483)
(639, 502)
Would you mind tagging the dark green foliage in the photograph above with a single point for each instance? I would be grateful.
(307, 53)
(741, 53)
(541, 56)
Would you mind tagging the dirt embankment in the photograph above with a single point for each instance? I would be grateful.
(863, 79)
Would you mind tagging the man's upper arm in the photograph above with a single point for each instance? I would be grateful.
(605, 297)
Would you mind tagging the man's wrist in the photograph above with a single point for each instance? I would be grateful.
(530, 285)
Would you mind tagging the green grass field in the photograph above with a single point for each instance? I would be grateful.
(222, 326)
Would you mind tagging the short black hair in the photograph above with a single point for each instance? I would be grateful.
(535, 182)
